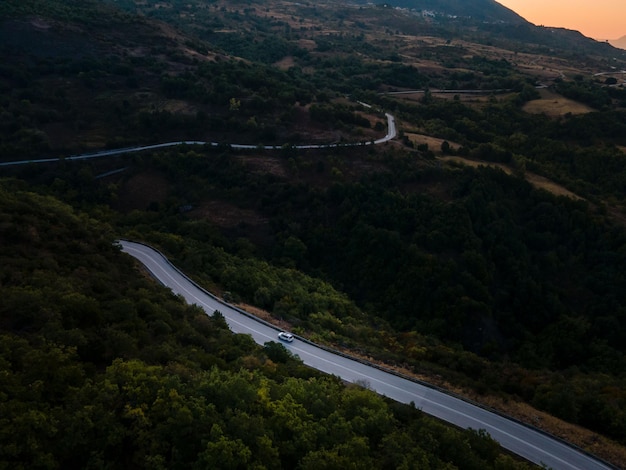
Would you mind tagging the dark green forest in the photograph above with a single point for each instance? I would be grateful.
(469, 276)
(499, 269)
(102, 368)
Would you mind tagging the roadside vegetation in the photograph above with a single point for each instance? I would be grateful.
(469, 277)
(102, 367)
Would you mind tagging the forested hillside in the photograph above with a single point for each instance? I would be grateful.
(495, 268)
(102, 367)
(438, 253)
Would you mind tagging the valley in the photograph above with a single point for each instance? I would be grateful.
(478, 245)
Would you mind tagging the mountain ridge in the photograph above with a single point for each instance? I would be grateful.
(483, 10)
(499, 22)
(619, 43)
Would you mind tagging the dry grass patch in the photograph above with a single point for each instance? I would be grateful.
(536, 180)
(308, 44)
(550, 186)
(589, 441)
(554, 105)
(434, 143)
(264, 315)
(285, 63)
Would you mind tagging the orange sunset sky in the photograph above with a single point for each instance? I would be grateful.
(599, 19)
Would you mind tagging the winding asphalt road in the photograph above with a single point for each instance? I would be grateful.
(517, 438)
(391, 134)
(526, 442)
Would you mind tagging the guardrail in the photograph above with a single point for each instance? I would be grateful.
(371, 364)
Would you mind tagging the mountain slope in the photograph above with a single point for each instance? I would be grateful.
(483, 10)
(489, 22)
(463, 247)
(101, 364)
(619, 43)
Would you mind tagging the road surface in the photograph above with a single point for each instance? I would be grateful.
(526, 442)
(391, 134)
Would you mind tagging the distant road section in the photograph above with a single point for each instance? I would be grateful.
(449, 92)
(391, 134)
(526, 442)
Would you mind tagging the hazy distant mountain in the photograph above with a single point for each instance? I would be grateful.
(621, 42)
(492, 21)
(483, 10)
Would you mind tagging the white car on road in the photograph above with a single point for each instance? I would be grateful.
(285, 336)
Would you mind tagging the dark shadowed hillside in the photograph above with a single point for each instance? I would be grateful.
(101, 367)
(483, 249)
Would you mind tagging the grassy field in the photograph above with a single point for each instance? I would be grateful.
(554, 105)
(535, 180)
(434, 143)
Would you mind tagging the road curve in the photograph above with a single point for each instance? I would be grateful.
(391, 134)
(526, 442)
